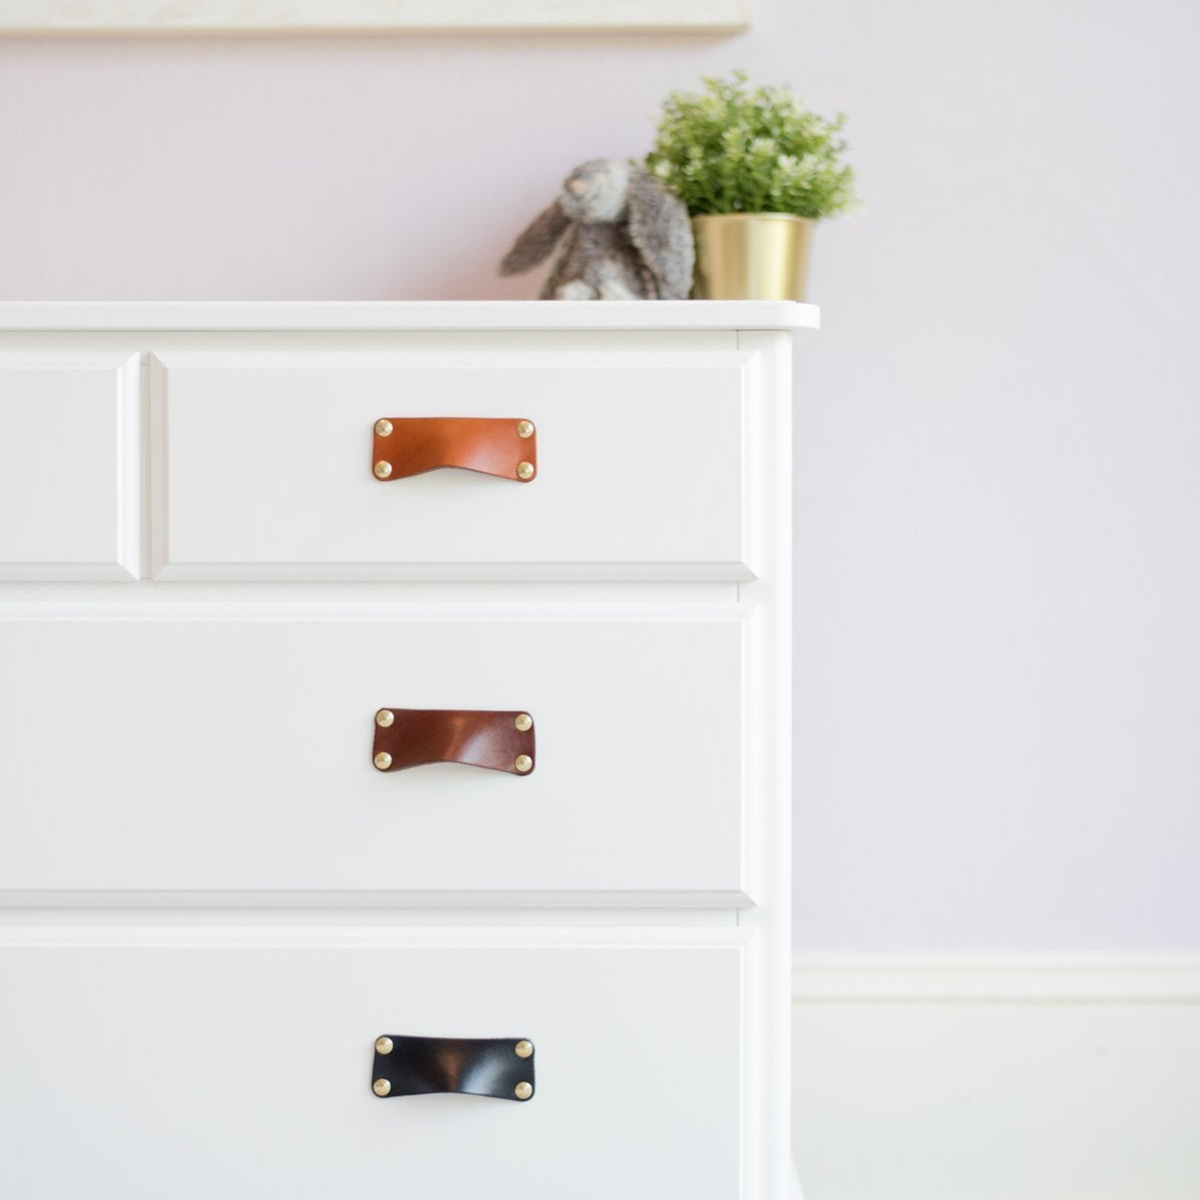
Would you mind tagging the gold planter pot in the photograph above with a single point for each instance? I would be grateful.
(751, 256)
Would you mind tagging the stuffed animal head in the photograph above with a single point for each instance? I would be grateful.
(605, 192)
(596, 191)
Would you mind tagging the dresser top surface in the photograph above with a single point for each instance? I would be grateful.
(415, 316)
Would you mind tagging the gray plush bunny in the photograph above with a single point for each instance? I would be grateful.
(627, 238)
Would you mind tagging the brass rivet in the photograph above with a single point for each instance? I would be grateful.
(524, 429)
(524, 763)
(383, 427)
(523, 722)
(381, 1087)
(383, 760)
(524, 470)
(384, 717)
(383, 469)
(523, 1090)
(383, 1045)
(524, 1049)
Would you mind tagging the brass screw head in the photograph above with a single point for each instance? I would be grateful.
(524, 429)
(381, 1087)
(384, 717)
(524, 1049)
(524, 763)
(524, 470)
(523, 722)
(383, 469)
(522, 1091)
(383, 760)
(383, 427)
(383, 1045)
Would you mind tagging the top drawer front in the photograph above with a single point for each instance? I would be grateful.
(68, 466)
(262, 467)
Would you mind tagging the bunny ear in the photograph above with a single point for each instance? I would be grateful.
(536, 243)
(660, 229)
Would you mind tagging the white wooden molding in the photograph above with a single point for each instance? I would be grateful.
(715, 906)
(996, 979)
(351, 16)
(997, 1077)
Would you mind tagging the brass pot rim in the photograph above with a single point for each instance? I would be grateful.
(755, 216)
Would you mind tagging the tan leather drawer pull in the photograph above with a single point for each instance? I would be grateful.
(503, 446)
(413, 737)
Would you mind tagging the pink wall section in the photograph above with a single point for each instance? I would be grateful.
(998, 514)
(339, 168)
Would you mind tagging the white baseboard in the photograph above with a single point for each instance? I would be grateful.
(997, 1078)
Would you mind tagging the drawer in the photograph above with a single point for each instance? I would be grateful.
(263, 467)
(236, 755)
(192, 1065)
(69, 470)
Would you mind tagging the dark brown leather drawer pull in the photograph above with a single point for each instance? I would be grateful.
(419, 1066)
(413, 737)
(503, 446)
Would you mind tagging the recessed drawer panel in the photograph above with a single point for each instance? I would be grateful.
(69, 466)
(264, 467)
(211, 1063)
(237, 755)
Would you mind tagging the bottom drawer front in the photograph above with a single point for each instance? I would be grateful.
(202, 1070)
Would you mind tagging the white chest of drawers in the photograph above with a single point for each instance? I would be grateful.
(212, 901)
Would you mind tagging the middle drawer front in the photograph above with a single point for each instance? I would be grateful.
(236, 755)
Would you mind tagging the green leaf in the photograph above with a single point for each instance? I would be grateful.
(726, 149)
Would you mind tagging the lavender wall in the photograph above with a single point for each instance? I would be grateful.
(998, 523)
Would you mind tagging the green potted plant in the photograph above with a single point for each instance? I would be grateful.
(757, 170)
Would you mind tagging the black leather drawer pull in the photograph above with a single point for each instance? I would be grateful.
(417, 1066)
